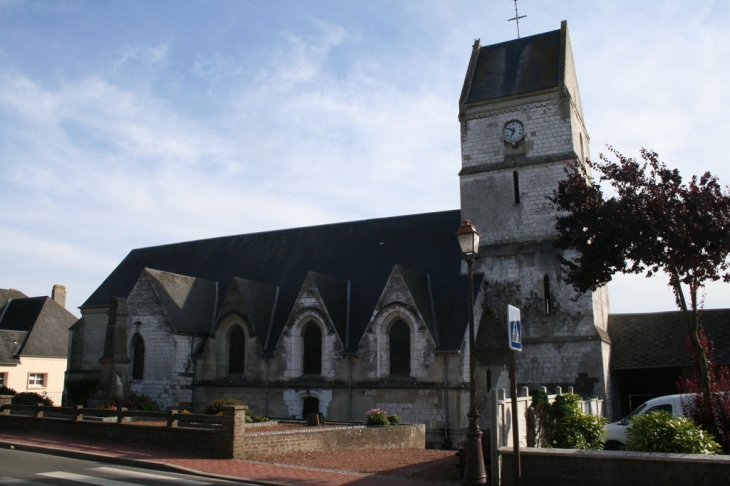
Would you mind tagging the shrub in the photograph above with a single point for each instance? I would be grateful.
(376, 416)
(216, 407)
(4, 390)
(79, 390)
(562, 424)
(661, 431)
(31, 398)
(132, 402)
(580, 431)
(394, 419)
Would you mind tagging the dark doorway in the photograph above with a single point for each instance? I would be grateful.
(400, 349)
(636, 386)
(310, 405)
(312, 338)
(236, 351)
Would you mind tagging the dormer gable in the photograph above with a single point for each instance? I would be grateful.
(188, 303)
(255, 303)
(412, 290)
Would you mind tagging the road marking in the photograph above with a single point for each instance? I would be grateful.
(79, 478)
(19, 482)
(144, 475)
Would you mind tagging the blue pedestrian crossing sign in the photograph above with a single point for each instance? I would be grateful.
(514, 328)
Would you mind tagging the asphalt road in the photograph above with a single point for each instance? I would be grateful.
(19, 468)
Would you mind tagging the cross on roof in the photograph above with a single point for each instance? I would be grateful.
(517, 18)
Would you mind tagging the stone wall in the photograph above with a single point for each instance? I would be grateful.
(168, 367)
(608, 468)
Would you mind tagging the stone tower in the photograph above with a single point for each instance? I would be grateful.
(521, 122)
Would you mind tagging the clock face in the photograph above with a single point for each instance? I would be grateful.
(513, 131)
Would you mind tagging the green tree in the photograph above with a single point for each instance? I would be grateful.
(654, 222)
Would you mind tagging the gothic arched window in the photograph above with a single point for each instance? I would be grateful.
(137, 357)
(400, 348)
(546, 293)
(312, 340)
(236, 351)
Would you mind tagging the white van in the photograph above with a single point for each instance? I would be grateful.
(616, 431)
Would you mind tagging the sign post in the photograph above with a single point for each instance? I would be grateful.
(514, 331)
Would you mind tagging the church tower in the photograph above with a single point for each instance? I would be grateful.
(521, 123)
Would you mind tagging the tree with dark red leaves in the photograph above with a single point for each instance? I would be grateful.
(653, 222)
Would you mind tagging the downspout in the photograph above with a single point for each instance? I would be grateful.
(349, 357)
(349, 396)
(267, 356)
(192, 385)
(446, 397)
(266, 392)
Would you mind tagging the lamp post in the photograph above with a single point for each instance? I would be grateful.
(475, 473)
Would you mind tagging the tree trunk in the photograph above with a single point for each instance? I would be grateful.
(693, 324)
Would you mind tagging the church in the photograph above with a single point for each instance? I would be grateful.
(342, 318)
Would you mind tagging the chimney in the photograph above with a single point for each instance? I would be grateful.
(59, 295)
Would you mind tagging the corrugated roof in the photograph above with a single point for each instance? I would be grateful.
(363, 252)
(516, 67)
(660, 339)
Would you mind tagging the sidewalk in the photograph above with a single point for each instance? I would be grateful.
(141, 456)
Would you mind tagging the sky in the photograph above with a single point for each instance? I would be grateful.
(127, 124)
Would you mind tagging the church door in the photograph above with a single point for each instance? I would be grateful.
(310, 405)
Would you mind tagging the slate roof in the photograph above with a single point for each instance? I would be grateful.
(260, 301)
(516, 67)
(659, 339)
(7, 294)
(43, 323)
(190, 303)
(10, 344)
(361, 252)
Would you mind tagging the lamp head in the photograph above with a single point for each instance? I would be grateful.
(468, 237)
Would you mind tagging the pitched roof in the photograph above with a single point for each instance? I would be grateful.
(361, 252)
(21, 314)
(190, 303)
(516, 67)
(659, 339)
(259, 301)
(43, 320)
(7, 294)
(10, 344)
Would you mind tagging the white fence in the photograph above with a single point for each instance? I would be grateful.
(501, 420)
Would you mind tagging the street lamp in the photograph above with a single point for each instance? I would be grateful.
(475, 473)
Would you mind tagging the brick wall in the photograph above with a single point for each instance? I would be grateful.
(410, 436)
(230, 441)
(196, 441)
(605, 468)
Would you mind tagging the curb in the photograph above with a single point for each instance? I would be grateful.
(125, 461)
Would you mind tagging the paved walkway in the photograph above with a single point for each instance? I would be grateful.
(140, 456)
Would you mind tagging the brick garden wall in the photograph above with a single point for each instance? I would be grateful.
(196, 441)
(410, 436)
(230, 441)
